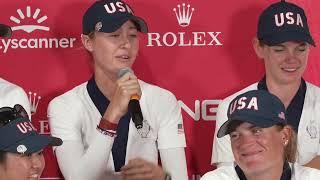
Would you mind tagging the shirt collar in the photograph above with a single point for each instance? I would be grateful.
(286, 172)
(294, 110)
(97, 97)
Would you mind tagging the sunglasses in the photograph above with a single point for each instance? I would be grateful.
(8, 114)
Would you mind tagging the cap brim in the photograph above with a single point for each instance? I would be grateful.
(108, 27)
(35, 143)
(225, 128)
(281, 37)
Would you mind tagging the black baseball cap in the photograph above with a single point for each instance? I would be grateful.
(282, 22)
(108, 16)
(258, 107)
(5, 31)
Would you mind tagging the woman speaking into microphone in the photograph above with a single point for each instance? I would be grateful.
(101, 139)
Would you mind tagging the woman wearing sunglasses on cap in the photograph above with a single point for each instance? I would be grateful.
(21, 146)
(263, 145)
(101, 139)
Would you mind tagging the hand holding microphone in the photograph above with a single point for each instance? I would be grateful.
(134, 105)
(125, 98)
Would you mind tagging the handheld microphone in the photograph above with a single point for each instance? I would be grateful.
(5, 31)
(134, 105)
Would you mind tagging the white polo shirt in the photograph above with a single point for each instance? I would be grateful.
(308, 130)
(86, 153)
(11, 94)
(229, 173)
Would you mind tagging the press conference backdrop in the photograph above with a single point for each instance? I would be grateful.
(201, 56)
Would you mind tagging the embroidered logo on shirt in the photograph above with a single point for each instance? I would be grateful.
(312, 130)
(145, 130)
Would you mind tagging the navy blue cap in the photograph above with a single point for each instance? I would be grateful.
(258, 107)
(108, 16)
(282, 22)
(19, 136)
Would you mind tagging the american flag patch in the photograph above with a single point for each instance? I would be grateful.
(180, 129)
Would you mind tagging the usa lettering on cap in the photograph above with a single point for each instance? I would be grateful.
(288, 18)
(118, 6)
(244, 102)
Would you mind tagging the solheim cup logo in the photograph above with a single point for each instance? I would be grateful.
(183, 14)
(29, 14)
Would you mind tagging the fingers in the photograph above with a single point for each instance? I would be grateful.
(128, 85)
(142, 169)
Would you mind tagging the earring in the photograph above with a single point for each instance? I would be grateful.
(286, 142)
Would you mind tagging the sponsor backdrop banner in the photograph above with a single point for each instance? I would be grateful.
(200, 50)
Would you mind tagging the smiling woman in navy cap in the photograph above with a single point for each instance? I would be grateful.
(21, 146)
(283, 43)
(101, 138)
(263, 144)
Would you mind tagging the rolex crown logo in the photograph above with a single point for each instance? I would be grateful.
(183, 14)
(34, 102)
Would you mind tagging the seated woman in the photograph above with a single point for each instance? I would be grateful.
(263, 145)
(21, 146)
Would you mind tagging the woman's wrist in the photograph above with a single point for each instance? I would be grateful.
(107, 125)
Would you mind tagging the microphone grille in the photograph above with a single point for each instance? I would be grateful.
(123, 71)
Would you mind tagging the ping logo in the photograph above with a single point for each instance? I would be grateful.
(183, 14)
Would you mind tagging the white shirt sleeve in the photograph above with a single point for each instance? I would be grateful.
(305, 173)
(174, 162)
(76, 161)
(221, 150)
(168, 114)
(222, 173)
